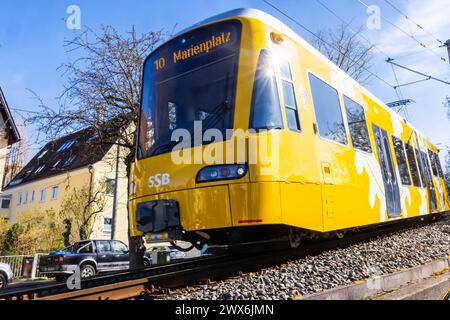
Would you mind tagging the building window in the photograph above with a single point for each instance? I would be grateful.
(266, 109)
(25, 197)
(43, 194)
(55, 191)
(327, 106)
(357, 125)
(110, 186)
(413, 166)
(19, 199)
(38, 170)
(69, 161)
(43, 153)
(6, 203)
(32, 196)
(56, 163)
(401, 161)
(107, 225)
(66, 146)
(290, 102)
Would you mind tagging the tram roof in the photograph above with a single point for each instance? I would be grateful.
(284, 29)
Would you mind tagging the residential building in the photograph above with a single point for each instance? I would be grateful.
(73, 162)
(8, 133)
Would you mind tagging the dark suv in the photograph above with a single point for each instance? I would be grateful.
(92, 257)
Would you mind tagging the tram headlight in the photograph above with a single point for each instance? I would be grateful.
(222, 172)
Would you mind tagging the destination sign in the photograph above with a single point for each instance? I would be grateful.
(207, 41)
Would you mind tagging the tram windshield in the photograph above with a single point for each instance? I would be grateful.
(190, 79)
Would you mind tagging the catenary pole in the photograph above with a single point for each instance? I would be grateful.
(116, 188)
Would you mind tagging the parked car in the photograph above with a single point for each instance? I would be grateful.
(92, 257)
(174, 254)
(6, 275)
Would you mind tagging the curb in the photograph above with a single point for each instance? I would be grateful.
(386, 283)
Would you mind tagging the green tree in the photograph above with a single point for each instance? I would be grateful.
(4, 226)
(67, 232)
(38, 232)
(10, 240)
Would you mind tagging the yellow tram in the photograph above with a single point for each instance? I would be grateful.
(338, 158)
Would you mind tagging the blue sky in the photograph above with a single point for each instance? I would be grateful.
(32, 34)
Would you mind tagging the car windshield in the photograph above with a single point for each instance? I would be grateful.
(191, 78)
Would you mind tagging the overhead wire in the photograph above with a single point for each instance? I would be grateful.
(413, 22)
(397, 88)
(333, 12)
(324, 41)
(414, 38)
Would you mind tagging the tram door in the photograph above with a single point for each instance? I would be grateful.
(391, 187)
(428, 180)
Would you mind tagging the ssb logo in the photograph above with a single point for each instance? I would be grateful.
(158, 180)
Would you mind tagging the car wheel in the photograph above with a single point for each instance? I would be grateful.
(3, 281)
(87, 271)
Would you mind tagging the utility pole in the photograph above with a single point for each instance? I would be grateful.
(116, 187)
(447, 44)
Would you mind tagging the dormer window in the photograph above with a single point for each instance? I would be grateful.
(93, 138)
(43, 153)
(67, 145)
(57, 163)
(69, 161)
(39, 170)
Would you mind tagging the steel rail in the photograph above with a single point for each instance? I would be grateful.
(145, 282)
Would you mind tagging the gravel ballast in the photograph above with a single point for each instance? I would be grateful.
(335, 268)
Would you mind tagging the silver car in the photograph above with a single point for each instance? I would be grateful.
(6, 275)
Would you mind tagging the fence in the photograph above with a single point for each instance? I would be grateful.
(20, 268)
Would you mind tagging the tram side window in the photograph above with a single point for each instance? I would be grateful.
(413, 166)
(358, 125)
(401, 161)
(290, 102)
(433, 163)
(439, 166)
(421, 168)
(328, 111)
(266, 108)
(427, 169)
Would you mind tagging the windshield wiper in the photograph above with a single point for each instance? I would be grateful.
(221, 109)
(270, 128)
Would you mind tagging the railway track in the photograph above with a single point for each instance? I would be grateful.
(152, 282)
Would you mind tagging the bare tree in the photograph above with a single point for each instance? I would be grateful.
(17, 157)
(344, 48)
(102, 92)
(79, 211)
